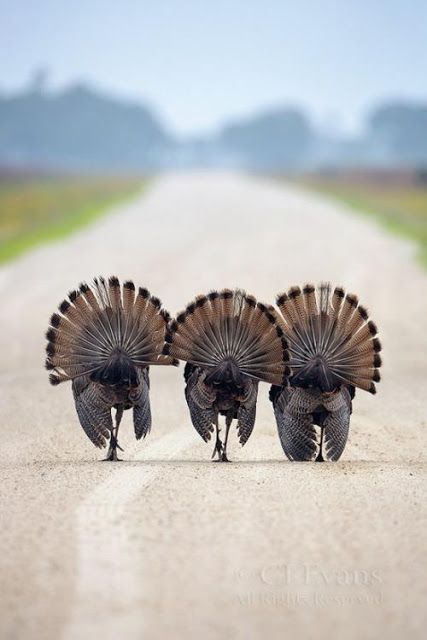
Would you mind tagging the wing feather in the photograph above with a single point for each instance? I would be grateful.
(200, 401)
(142, 408)
(93, 411)
(296, 430)
(247, 412)
(245, 422)
(336, 431)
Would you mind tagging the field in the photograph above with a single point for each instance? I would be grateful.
(398, 201)
(38, 209)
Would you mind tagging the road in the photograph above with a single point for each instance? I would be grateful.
(169, 544)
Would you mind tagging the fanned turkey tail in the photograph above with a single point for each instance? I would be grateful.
(229, 333)
(331, 339)
(106, 331)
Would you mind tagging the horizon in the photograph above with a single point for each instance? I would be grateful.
(197, 75)
(39, 81)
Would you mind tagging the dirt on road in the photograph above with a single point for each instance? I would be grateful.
(169, 544)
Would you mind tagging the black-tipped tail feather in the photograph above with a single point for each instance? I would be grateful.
(331, 339)
(106, 331)
(230, 334)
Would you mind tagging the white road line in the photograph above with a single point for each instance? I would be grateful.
(108, 596)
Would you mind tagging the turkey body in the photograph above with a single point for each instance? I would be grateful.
(208, 398)
(103, 340)
(94, 402)
(334, 349)
(299, 410)
(229, 342)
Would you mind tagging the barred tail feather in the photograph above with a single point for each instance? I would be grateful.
(106, 331)
(331, 339)
(230, 326)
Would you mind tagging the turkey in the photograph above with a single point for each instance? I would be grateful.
(103, 339)
(229, 342)
(333, 350)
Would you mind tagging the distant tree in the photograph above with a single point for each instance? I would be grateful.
(274, 140)
(78, 128)
(39, 80)
(402, 126)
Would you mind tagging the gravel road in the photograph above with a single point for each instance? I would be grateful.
(169, 544)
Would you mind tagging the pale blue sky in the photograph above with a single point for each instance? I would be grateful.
(199, 63)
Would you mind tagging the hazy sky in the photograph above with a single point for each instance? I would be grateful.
(199, 63)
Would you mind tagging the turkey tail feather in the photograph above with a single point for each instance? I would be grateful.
(230, 326)
(331, 339)
(106, 331)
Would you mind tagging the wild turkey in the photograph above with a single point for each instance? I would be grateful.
(230, 342)
(103, 339)
(333, 349)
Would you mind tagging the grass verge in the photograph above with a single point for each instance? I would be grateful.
(401, 208)
(37, 210)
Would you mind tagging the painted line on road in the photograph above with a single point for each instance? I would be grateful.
(108, 593)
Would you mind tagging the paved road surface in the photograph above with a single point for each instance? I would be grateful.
(168, 544)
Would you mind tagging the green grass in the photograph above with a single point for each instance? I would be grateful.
(37, 210)
(401, 208)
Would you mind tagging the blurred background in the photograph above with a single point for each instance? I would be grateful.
(230, 143)
(94, 98)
